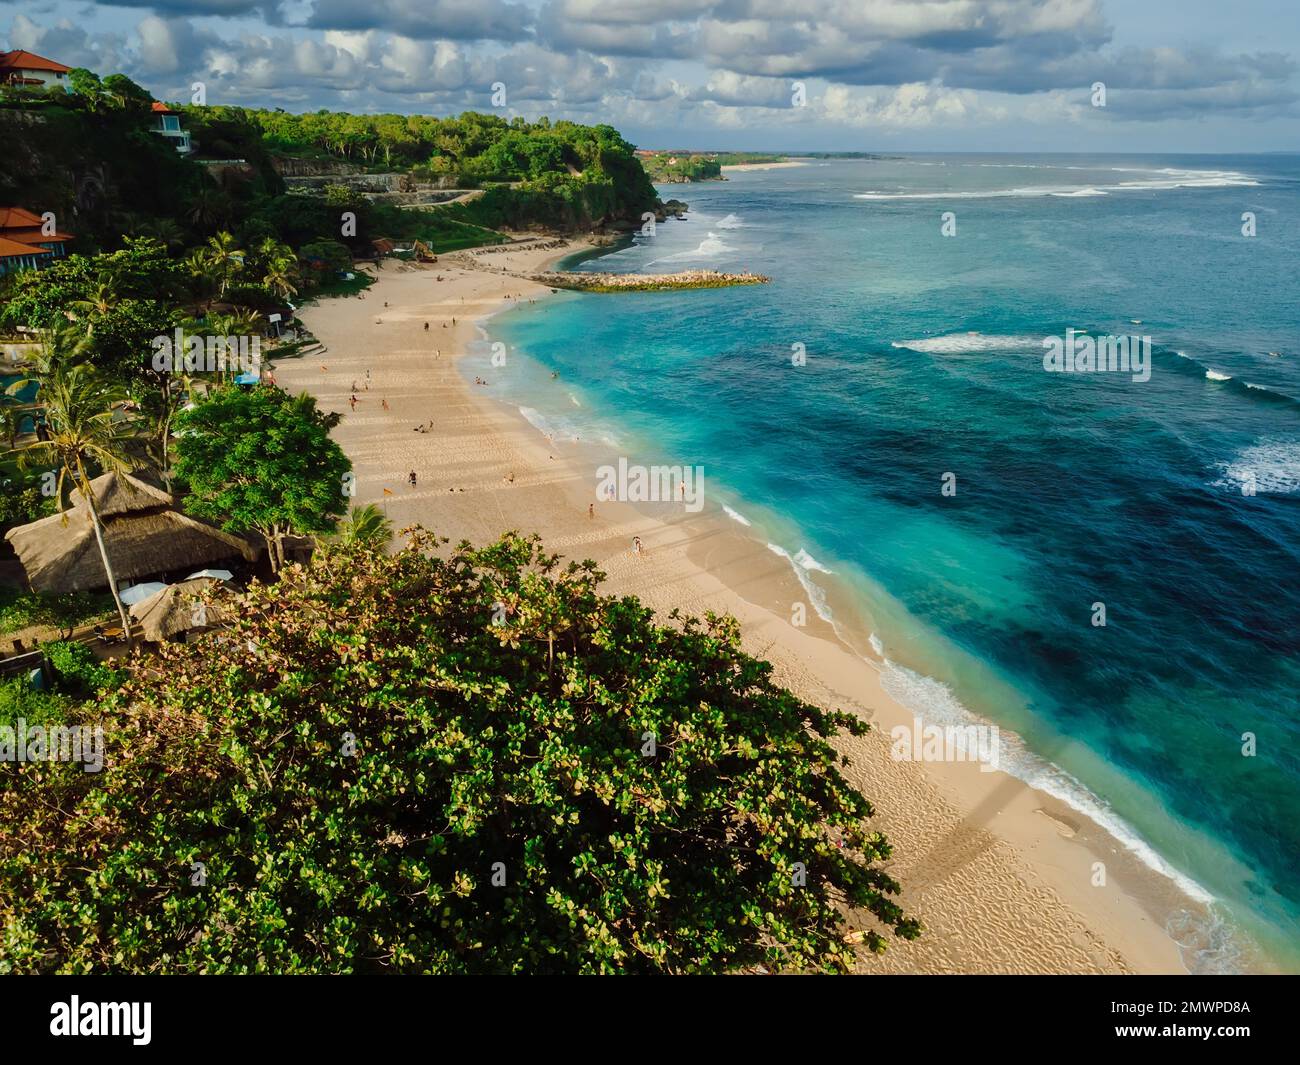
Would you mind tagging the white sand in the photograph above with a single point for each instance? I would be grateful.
(762, 166)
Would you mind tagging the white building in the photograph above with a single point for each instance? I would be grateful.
(167, 123)
(27, 68)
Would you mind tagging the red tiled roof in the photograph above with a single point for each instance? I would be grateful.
(11, 249)
(160, 108)
(32, 235)
(18, 216)
(20, 60)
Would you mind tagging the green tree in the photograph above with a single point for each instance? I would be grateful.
(465, 764)
(367, 526)
(224, 259)
(126, 94)
(80, 407)
(85, 84)
(262, 461)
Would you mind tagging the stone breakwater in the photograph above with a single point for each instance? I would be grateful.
(647, 282)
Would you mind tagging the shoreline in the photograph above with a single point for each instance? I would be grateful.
(999, 873)
(740, 167)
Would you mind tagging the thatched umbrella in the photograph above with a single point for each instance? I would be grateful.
(144, 534)
(176, 609)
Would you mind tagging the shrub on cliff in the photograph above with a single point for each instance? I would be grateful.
(475, 763)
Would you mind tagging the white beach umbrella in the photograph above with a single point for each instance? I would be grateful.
(139, 592)
(215, 574)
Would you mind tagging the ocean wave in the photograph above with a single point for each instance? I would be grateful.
(711, 247)
(968, 343)
(1260, 393)
(1271, 466)
(731, 222)
(933, 702)
(808, 562)
(1172, 179)
(736, 515)
(558, 427)
(802, 563)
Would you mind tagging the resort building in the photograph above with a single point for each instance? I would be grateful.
(27, 68)
(167, 123)
(24, 245)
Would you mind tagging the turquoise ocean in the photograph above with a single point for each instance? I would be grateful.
(1173, 501)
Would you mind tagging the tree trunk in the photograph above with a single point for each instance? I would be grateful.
(166, 432)
(108, 566)
(274, 537)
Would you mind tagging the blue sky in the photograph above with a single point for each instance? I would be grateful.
(863, 75)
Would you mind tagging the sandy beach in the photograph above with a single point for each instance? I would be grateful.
(1001, 875)
(762, 166)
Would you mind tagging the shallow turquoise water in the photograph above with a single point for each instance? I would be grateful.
(924, 358)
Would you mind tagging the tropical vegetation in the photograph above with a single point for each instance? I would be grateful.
(463, 761)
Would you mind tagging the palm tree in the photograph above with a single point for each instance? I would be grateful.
(101, 299)
(205, 206)
(365, 526)
(61, 345)
(164, 230)
(11, 420)
(79, 407)
(281, 273)
(204, 288)
(244, 321)
(225, 258)
(159, 407)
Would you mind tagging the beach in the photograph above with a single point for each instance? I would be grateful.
(736, 167)
(1002, 876)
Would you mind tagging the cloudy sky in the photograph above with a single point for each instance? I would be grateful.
(965, 75)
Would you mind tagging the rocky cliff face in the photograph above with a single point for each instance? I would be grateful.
(288, 166)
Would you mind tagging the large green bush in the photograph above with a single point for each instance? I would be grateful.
(471, 763)
(77, 671)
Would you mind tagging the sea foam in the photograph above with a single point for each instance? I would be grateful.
(969, 343)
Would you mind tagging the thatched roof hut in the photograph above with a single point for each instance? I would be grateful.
(145, 535)
(176, 609)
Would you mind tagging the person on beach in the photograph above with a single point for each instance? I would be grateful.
(385, 403)
(426, 327)
(591, 510)
(367, 380)
(636, 546)
(411, 478)
(353, 401)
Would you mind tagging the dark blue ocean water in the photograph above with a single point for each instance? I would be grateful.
(924, 358)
